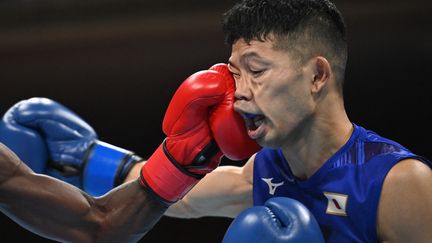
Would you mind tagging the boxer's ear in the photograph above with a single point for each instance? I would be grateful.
(321, 73)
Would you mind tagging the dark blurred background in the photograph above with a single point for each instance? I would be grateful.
(117, 63)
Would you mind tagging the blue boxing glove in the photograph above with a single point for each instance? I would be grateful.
(27, 144)
(281, 219)
(75, 154)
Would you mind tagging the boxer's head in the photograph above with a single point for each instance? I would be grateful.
(304, 28)
(288, 61)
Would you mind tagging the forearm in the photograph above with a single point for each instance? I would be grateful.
(223, 193)
(59, 211)
(134, 173)
(129, 213)
(46, 206)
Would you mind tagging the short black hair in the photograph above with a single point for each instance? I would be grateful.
(303, 27)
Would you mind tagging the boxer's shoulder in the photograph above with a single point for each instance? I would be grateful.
(405, 201)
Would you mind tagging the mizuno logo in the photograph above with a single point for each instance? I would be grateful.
(272, 186)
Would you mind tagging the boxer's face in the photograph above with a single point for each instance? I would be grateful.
(273, 91)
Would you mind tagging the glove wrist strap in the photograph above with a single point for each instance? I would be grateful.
(106, 166)
(166, 178)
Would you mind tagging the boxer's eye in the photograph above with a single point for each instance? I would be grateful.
(256, 73)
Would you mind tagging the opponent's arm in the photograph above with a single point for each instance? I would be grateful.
(405, 212)
(62, 212)
(225, 192)
(188, 153)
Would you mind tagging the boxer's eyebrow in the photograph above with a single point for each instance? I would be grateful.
(255, 57)
(250, 56)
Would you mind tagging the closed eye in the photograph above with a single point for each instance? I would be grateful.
(235, 75)
(257, 73)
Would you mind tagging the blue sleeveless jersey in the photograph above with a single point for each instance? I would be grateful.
(343, 194)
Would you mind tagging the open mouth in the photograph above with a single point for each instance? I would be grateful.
(253, 124)
(253, 121)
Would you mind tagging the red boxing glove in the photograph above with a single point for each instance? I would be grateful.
(200, 112)
(189, 150)
(227, 125)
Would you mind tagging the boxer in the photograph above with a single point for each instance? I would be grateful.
(288, 59)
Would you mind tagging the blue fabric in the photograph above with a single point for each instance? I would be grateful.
(355, 173)
(102, 168)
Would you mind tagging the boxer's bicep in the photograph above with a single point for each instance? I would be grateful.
(9, 163)
(405, 212)
(225, 192)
